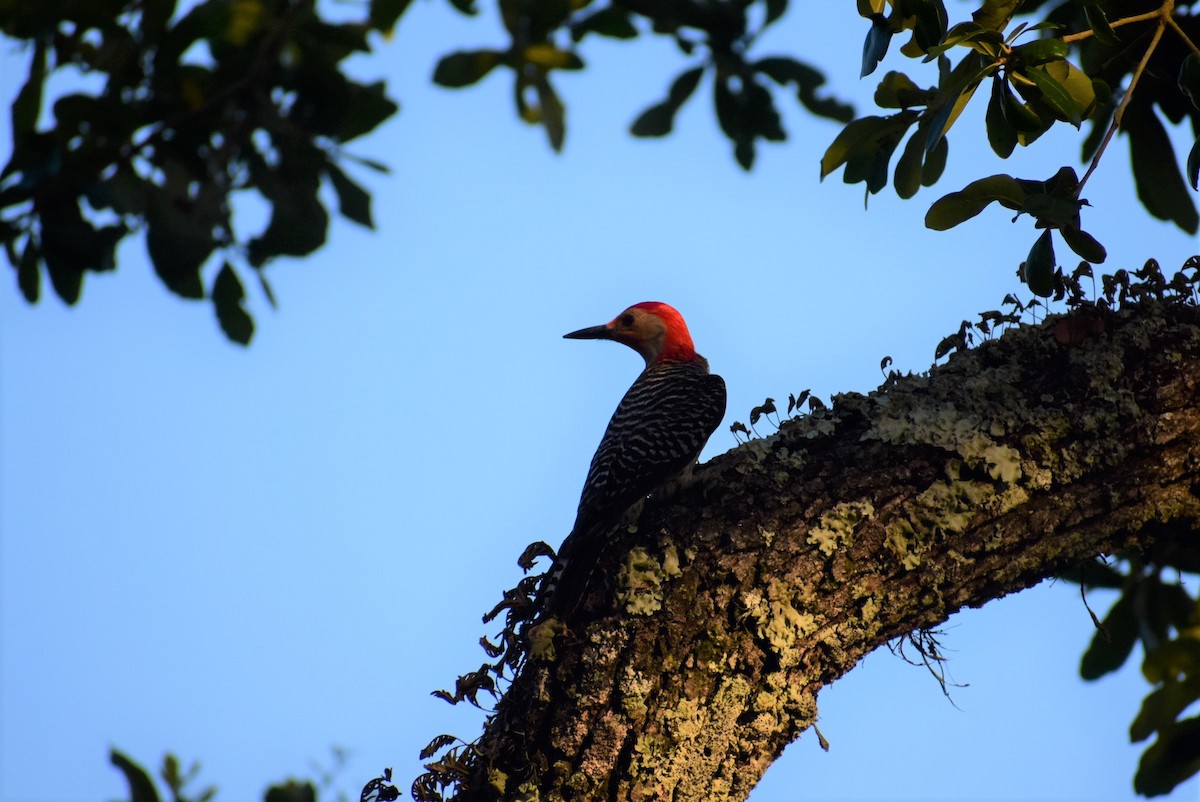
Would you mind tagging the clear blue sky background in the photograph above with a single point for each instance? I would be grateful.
(248, 556)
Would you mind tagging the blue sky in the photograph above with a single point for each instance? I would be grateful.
(248, 556)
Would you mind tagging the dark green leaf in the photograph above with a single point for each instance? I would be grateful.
(124, 192)
(935, 163)
(897, 91)
(141, 787)
(860, 130)
(761, 114)
(955, 90)
(1160, 185)
(291, 791)
(354, 202)
(775, 10)
(1084, 244)
(1002, 136)
(728, 111)
(1180, 608)
(1095, 574)
(658, 120)
(611, 21)
(1193, 165)
(537, 20)
(808, 80)
(1111, 645)
(1039, 51)
(385, 13)
(1162, 706)
(28, 272)
(1173, 660)
(266, 288)
(871, 165)
(28, 103)
(876, 44)
(366, 107)
(907, 178)
(227, 296)
(1098, 22)
(1171, 759)
(683, 86)
(962, 32)
(553, 114)
(73, 111)
(929, 27)
(155, 16)
(743, 153)
(297, 228)
(1189, 78)
(1051, 210)
(71, 245)
(178, 243)
(972, 199)
(1100, 120)
(465, 67)
(1055, 94)
(465, 6)
(995, 14)
(1022, 118)
(1039, 268)
(865, 147)
(378, 167)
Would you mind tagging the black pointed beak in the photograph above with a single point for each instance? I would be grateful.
(591, 333)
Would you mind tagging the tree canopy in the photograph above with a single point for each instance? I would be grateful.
(198, 106)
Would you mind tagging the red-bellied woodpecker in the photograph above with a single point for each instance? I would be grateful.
(658, 430)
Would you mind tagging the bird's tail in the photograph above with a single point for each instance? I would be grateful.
(567, 582)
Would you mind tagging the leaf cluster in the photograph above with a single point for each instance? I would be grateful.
(457, 760)
(717, 38)
(179, 782)
(795, 408)
(1069, 67)
(1154, 609)
(193, 108)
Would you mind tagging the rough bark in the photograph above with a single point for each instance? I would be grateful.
(790, 558)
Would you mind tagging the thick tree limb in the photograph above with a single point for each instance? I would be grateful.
(790, 558)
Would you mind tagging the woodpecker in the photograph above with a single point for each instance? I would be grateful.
(656, 432)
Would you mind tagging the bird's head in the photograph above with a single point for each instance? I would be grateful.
(653, 329)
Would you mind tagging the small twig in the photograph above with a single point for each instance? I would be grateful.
(1186, 40)
(1099, 625)
(1120, 112)
(1149, 15)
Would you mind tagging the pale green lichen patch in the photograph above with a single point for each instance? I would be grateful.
(907, 422)
(527, 792)
(778, 620)
(900, 538)
(640, 581)
(634, 688)
(836, 527)
(869, 609)
(782, 704)
(670, 563)
(689, 757)
(946, 507)
(541, 639)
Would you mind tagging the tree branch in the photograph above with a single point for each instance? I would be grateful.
(1120, 112)
(804, 551)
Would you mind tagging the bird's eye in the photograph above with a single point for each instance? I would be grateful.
(626, 320)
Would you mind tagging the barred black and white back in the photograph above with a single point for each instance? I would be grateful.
(657, 430)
